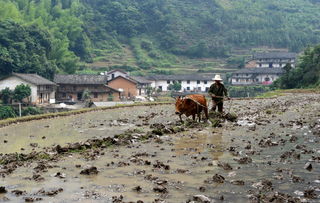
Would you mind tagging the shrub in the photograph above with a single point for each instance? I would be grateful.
(21, 91)
(6, 95)
(7, 112)
(31, 111)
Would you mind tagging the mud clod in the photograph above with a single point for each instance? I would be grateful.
(90, 171)
(3, 190)
(201, 198)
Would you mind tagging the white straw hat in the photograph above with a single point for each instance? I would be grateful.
(217, 77)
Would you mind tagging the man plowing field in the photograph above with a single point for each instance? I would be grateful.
(217, 92)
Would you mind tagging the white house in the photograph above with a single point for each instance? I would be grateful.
(189, 83)
(42, 90)
(252, 76)
(273, 59)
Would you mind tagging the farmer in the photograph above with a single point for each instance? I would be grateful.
(217, 91)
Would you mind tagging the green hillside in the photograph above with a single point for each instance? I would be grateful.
(150, 36)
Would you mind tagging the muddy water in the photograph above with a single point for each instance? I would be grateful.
(75, 128)
(192, 156)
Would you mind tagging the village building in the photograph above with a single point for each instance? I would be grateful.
(125, 85)
(72, 87)
(115, 73)
(189, 83)
(42, 90)
(255, 76)
(272, 60)
(142, 85)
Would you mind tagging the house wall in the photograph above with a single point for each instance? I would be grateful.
(185, 86)
(247, 79)
(14, 81)
(276, 63)
(98, 93)
(129, 88)
(251, 64)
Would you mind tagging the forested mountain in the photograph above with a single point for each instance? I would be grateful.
(46, 36)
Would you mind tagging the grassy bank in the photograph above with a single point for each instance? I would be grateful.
(277, 93)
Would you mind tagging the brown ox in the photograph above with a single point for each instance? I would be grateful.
(191, 105)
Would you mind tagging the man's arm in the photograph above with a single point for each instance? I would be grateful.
(225, 91)
(211, 91)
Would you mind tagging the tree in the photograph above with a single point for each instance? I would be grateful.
(175, 86)
(306, 74)
(21, 91)
(86, 95)
(6, 95)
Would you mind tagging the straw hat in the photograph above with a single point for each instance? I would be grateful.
(217, 78)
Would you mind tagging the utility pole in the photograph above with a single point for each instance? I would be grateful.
(19, 109)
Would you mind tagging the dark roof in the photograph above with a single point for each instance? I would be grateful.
(260, 71)
(181, 77)
(115, 70)
(81, 79)
(33, 78)
(129, 79)
(140, 79)
(274, 55)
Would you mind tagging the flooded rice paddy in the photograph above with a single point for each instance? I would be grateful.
(270, 154)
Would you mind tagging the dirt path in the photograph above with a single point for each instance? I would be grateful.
(271, 153)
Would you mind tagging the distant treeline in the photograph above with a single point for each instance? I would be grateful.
(46, 36)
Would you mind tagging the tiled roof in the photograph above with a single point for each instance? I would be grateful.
(126, 78)
(274, 55)
(81, 79)
(192, 77)
(33, 78)
(140, 79)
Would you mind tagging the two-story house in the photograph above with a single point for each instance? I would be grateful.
(271, 60)
(264, 68)
(42, 90)
(72, 87)
(189, 83)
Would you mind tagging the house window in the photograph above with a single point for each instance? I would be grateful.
(64, 95)
(112, 75)
(160, 88)
(198, 81)
(188, 88)
(95, 95)
(188, 81)
(168, 81)
(237, 80)
(267, 79)
(205, 82)
(207, 89)
(199, 88)
(179, 81)
(270, 65)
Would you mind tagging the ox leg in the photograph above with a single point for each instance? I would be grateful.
(199, 114)
(206, 113)
(180, 118)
